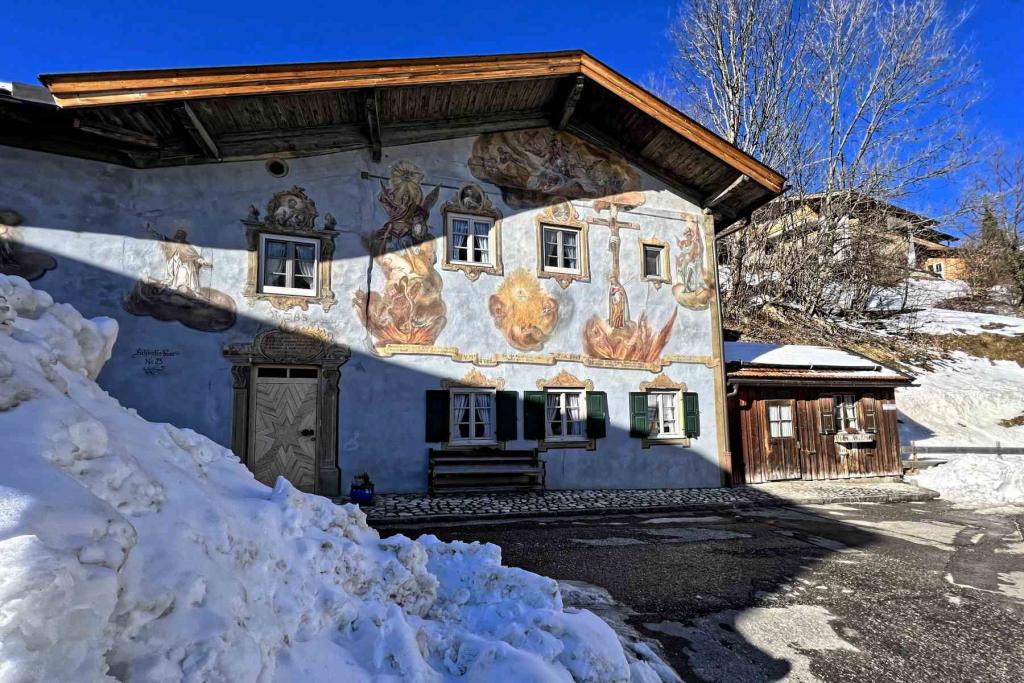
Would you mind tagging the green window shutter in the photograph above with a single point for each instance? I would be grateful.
(506, 424)
(597, 414)
(826, 408)
(533, 415)
(438, 419)
(691, 413)
(870, 413)
(639, 427)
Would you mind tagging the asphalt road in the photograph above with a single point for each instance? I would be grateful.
(851, 592)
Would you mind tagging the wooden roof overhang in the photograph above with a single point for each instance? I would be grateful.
(821, 376)
(171, 117)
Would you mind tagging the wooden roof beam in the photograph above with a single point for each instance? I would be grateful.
(571, 100)
(720, 196)
(373, 125)
(106, 130)
(199, 134)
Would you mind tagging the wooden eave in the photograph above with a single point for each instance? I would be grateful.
(170, 117)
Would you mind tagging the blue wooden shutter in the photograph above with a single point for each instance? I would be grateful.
(691, 414)
(438, 417)
(597, 414)
(533, 415)
(639, 426)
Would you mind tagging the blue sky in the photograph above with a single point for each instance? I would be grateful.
(50, 36)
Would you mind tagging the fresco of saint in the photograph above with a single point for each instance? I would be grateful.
(692, 288)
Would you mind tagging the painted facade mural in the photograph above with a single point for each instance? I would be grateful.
(409, 309)
(523, 311)
(693, 282)
(15, 259)
(531, 166)
(179, 295)
(618, 337)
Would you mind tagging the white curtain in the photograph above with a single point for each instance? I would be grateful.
(460, 238)
(551, 248)
(462, 414)
(574, 421)
(554, 414)
(482, 232)
(569, 248)
(483, 415)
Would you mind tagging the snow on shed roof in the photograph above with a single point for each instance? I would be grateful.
(795, 356)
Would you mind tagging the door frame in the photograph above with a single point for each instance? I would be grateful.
(789, 444)
(305, 346)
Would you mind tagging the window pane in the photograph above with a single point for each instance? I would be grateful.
(275, 280)
(483, 415)
(550, 248)
(305, 252)
(652, 261)
(569, 252)
(787, 429)
(554, 414)
(276, 249)
(775, 429)
(574, 420)
(460, 239)
(786, 411)
(773, 412)
(303, 282)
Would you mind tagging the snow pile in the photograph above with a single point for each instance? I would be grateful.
(977, 480)
(145, 552)
(961, 402)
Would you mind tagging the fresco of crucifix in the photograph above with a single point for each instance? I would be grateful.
(618, 304)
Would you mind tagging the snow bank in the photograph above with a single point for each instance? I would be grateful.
(945, 321)
(920, 293)
(961, 402)
(148, 553)
(977, 480)
(795, 355)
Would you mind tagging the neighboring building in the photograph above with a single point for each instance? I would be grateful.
(311, 262)
(916, 241)
(809, 412)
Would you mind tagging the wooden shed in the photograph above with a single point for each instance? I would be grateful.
(810, 412)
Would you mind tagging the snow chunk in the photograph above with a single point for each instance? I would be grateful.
(142, 552)
(978, 480)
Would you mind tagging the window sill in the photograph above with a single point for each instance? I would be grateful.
(472, 270)
(472, 445)
(286, 291)
(553, 444)
(647, 442)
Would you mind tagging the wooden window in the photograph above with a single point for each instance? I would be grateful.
(483, 416)
(845, 411)
(780, 419)
(663, 414)
(565, 415)
(654, 257)
(472, 416)
(828, 421)
(470, 239)
(288, 265)
(561, 250)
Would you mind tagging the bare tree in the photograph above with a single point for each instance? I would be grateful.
(855, 101)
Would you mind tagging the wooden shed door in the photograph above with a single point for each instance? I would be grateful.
(783, 457)
(285, 425)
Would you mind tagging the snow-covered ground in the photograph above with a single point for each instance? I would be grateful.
(926, 294)
(961, 402)
(149, 553)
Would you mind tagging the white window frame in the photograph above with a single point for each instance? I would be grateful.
(677, 397)
(471, 239)
(937, 268)
(779, 403)
(289, 266)
(453, 427)
(561, 230)
(660, 249)
(549, 435)
(845, 412)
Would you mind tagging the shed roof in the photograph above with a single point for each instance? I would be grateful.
(169, 117)
(798, 364)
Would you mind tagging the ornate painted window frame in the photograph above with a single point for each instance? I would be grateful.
(474, 380)
(290, 213)
(568, 381)
(471, 200)
(663, 383)
(666, 273)
(562, 214)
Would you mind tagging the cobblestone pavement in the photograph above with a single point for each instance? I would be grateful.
(390, 508)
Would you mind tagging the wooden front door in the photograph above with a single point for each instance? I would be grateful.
(783, 454)
(284, 424)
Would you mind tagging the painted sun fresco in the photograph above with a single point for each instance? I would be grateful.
(409, 308)
(523, 311)
(531, 166)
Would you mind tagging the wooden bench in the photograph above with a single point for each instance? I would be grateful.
(485, 470)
